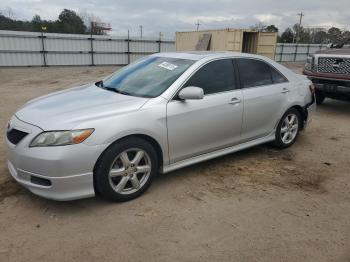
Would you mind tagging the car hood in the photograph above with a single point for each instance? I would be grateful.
(69, 108)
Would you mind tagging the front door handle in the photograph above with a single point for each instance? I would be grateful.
(285, 91)
(235, 101)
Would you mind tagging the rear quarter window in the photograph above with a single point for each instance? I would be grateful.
(277, 77)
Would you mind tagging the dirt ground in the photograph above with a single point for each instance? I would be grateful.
(260, 204)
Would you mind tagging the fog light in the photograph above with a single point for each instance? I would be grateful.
(40, 181)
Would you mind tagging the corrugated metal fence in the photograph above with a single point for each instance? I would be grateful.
(296, 52)
(36, 49)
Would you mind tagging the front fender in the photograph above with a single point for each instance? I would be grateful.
(149, 121)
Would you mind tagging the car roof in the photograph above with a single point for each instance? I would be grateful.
(199, 55)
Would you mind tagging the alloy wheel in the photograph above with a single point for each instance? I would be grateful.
(129, 171)
(289, 128)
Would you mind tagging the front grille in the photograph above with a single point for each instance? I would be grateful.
(334, 65)
(15, 136)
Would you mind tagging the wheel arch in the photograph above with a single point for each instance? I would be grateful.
(155, 144)
(303, 114)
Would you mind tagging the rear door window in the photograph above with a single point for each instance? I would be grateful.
(254, 72)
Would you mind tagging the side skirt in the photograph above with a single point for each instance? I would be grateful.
(218, 153)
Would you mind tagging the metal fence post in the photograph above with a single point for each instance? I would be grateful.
(159, 42)
(92, 50)
(43, 48)
(281, 52)
(92, 44)
(296, 52)
(128, 42)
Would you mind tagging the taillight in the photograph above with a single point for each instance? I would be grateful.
(312, 89)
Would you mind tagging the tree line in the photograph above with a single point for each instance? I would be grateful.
(68, 22)
(299, 34)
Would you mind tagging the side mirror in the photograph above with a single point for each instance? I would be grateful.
(191, 92)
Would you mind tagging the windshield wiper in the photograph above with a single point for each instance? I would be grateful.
(101, 85)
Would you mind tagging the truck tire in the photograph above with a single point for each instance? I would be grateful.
(320, 97)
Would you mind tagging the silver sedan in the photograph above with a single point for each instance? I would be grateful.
(161, 113)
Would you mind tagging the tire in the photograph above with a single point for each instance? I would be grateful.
(288, 126)
(320, 97)
(125, 170)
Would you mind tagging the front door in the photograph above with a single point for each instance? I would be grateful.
(197, 127)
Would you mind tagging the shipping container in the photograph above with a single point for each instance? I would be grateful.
(237, 40)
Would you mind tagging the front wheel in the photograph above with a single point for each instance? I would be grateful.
(126, 169)
(288, 129)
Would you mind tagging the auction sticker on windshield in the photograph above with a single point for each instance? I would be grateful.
(168, 66)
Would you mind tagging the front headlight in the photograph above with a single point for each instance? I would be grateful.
(309, 62)
(61, 138)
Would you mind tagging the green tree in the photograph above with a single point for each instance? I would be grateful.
(271, 28)
(7, 23)
(334, 34)
(320, 37)
(346, 35)
(287, 36)
(258, 27)
(36, 23)
(69, 22)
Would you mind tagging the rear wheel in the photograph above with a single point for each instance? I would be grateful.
(126, 169)
(320, 97)
(288, 129)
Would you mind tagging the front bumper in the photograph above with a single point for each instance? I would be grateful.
(60, 188)
(59, 173)
(331, 83)
(333, 88)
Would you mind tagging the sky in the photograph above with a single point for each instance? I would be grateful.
(168, 17)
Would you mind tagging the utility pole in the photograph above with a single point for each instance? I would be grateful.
(299, 28)
(141, 28)
(197, 24)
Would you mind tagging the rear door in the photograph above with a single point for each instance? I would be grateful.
(265, 93)
(196, 127)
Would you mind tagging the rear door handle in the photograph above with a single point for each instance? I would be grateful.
(235, 101)
(285, 91)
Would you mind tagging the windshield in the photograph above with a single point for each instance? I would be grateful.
(147, 77)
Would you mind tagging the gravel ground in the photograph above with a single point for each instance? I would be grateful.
(260, 204)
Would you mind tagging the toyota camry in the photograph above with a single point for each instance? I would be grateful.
(158, 114)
